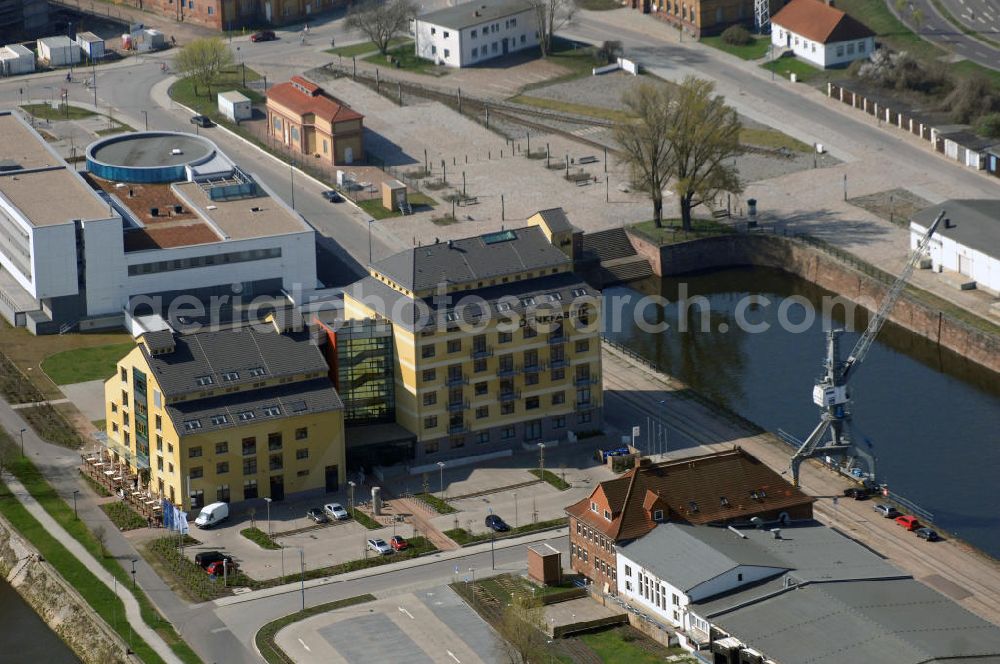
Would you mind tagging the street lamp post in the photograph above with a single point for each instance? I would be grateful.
(134, 561)
(441, 473)
(350, 497)
(473, 572)
(291, 170)
(22, 442)
(302, 578)
(145, 119)
(515, 509)
(76, 514)
(541, 458)
(493, 558)
(268, 501)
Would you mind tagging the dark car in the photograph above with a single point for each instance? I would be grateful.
(857, 492)
(317, 515)
(202, 121)
(206, 558)
(222, 567)
(263, 35)
(493, 522)
(333, 196)
(399, 543)
(927, 534)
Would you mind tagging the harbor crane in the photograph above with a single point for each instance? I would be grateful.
(831, 392)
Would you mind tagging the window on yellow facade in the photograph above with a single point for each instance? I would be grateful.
(482, 388)
(276, 462)
(222, 448)
(430, 421)
(482, 412)
(194, 452)
(249, 446)
(301, 433)
(159, 422)
(249, 489)
(427, 351)
(222, 468)
(250, 466)
(197, 472)
(274, 441)
(159, 464)
(302, 453)
(430, 398)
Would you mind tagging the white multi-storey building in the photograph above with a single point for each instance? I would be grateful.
(159, 214)
(473, 32)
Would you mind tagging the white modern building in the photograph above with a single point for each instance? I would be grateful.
(60, 51)
(967, 242)
(473, 32)
(16, 59)
(803, 593)
(820, 34)
(159, 215)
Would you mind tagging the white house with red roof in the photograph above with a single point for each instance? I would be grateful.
(821, 34)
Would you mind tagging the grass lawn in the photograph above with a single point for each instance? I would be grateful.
(440, 506)
(551, 478)
(968, 68)
(123, 516)
(754, 51)
(890, 30)
(46, 112)
(790, 65)
(260, 538)
(772, 138)
(407, 60)
(365, 520)
(96, 593)
(265, 635)
(83, 364)
(577, 58)
(418, 201)
(569, 107)
(118, 129)
(621, 645)
(183, 91)
(365, 48)
(461, 536)
(671, 232)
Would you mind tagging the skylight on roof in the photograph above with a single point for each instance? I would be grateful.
(218, 420)
(246, 415)
(204, 380)
(499, 236)
(298, 406)
(272, 411)
(257, 372)
(579, 292)
(554, 297)
(230, 376)
(191, 425)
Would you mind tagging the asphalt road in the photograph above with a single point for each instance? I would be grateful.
(983, 16)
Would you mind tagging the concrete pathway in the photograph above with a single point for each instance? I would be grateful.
(132, 611)
(52, 402)
(88, 397)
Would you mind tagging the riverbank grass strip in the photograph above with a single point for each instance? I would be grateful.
(266, 644)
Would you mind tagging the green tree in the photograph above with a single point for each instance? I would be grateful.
(380, 21)
(705, 135)
(520, 629)
(644, 141)
(203, 60)
(989, 125)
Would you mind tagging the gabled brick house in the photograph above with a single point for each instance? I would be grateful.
(723, 488)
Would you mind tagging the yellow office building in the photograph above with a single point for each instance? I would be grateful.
(226, 415)
(496, 339)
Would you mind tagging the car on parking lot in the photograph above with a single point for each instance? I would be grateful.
(201, 120)
(927, 534)
(336, 511)
(909, 522)
(333, 196)
(206, 558)
(379, 546)
(263, 36)
(494, 522)
(888, 511)
(399, 543)
(317, 515)
(857, 492)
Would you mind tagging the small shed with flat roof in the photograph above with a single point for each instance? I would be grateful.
(235, 105)
(967, 242)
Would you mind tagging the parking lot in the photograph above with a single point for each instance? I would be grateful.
(429, 627)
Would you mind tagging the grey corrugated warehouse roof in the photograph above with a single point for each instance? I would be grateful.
(975, 222)
(469, 14)
(483, 257)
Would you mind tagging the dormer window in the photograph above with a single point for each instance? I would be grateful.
(607, 514)
(192, 425)
(593, 507)
(246, 415)
(219, 420)
(230, 376)
(202, 381)
(272, 411)
(658, 515)
(257, 372)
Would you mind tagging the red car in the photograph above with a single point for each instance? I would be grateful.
(263, 35)
(908, 522)
(398, 543)
(217, 569)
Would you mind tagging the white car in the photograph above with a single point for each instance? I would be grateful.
(336, 511)
(379, 546)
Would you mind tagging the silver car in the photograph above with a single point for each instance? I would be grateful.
(336, 511)
(888, 511)
(379, 546)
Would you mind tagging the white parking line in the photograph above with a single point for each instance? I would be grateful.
(452, 655)
(219, 629)
(304, 645)
(402, 610)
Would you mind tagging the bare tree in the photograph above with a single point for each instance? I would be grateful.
(706, 138)
(519, 627)
(552, 15)
(644, 142)
(203, 60)
(101, 536)
(380, 20)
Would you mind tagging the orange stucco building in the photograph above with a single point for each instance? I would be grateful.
(305, 119)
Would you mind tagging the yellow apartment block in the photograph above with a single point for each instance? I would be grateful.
(495, 338)
(226, 415)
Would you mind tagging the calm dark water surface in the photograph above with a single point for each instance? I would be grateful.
(24, 638)
(933, 418)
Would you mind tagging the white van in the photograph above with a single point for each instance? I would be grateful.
(212, 515)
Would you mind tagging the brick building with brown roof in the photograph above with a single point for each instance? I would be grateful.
(304, 118)
(702, 17)
(723, 488)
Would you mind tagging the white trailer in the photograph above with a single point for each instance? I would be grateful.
(92, 45)
(235, 106)
(16, 59)
(58, 51)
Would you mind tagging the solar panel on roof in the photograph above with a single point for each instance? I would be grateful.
(499, 236)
